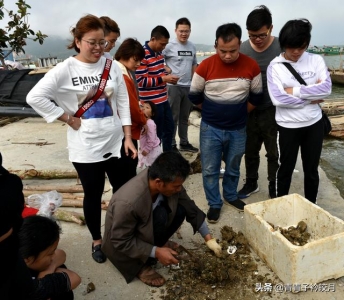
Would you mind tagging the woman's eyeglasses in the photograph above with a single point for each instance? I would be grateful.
(101, 44)
(259, 36)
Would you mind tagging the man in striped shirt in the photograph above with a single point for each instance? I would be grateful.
(151, 79)
(226, 85)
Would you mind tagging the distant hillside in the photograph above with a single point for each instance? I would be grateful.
(56, 46)
(53, 46)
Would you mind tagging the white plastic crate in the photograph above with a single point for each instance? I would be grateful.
(320, 259)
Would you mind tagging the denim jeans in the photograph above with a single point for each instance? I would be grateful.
(217, 144)
(164, 125)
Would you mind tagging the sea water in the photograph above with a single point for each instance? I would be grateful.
(333, 149)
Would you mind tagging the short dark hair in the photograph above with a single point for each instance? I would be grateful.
(130, 48)
(183, 21)
(295, 34)
(228, 32)
(153, 108)
(110, 26)
(160, 32)
(36, 235)
(169, 166)
(258, 18)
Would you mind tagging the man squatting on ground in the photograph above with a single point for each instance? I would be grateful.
(140, 221)
(180, 57)
(261, 124)
(226, 86)
(151, 79)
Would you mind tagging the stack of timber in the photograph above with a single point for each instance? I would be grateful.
(335, 110)
(72, 196)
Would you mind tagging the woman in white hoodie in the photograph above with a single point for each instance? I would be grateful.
(298, 114)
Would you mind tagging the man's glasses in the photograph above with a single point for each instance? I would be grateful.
(111, 42)
(259, 36)
(101, 44)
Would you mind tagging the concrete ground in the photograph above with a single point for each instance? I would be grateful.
(33, 144)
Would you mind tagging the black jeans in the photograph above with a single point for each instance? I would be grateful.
(310, 140)
(162, 232)
(164, 125)
(261, 128)
(127, 167)
(92, 177)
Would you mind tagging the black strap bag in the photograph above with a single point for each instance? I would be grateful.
(326, 121)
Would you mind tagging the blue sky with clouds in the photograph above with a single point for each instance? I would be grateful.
(137, 18)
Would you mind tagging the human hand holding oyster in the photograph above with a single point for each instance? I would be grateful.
(214, 246)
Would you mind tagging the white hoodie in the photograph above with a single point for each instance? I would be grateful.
(296, 111)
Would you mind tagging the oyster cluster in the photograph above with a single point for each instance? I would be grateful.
(211, 277)
(298, 235)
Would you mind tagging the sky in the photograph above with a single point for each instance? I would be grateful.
(136, 18)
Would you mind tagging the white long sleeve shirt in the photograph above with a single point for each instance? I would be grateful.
(69, 85)
(296, 110)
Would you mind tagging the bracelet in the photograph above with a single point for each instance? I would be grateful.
(127, 135)
(70, 120)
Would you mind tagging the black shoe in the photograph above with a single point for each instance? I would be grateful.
(237, 204)
(98, 254)
(188, 147)
(213, 215)
(250, 187)
(272, 189)
(175, 149)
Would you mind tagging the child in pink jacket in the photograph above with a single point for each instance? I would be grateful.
(149, 142)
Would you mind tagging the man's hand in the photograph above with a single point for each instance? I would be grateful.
(168, 70)
(166, 256)
(173, 79)
(214, 246)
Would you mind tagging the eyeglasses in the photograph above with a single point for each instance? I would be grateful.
(184, 31)
(259, 36)
(111, 42)
(101, 44)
